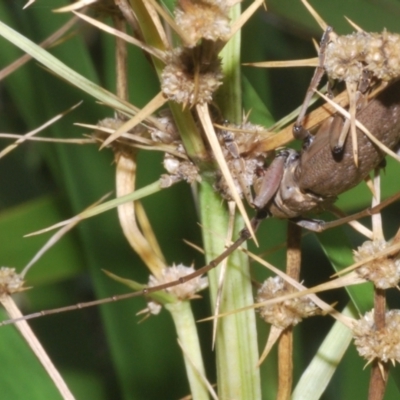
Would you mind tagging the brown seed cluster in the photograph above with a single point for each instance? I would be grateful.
(384, 272)
(203, 19)
(188, 79)
(348, 57)
(178, 170)
(122, 144)
(184, 291)
(383, 345)
(193, 72)
(169, 133)
(237, 144)
(243, 163)
(10, 281)
(286, 313)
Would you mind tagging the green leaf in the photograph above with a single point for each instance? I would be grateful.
(25, 375)
(61, 262)
(339, 251)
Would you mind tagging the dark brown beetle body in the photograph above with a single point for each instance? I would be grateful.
(313, 178)
(322, 172)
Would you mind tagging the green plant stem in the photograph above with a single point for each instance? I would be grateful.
(191, 138)
(189, 341)
(229, 97)
(236, 340)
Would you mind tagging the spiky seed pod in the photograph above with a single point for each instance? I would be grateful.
(203, 20)
(286, 313)
(184, 291)
(383, 345)
(244, 164)
(178, 170)
(244, 173)
(383, 59)
(187, 80)
(347, 57)
(169, 134)
(10, 281)
(122, 144)
(384, 272)
(110, 123)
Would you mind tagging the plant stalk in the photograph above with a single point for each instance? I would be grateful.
(236, 339)
(185, 325)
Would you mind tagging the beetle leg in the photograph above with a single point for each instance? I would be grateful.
(357, 100)
(313, 225)
(349, 124)
(299, 131)
(271, 180)
(316, 225)
(337, 133)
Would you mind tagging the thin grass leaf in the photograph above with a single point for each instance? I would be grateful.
(63, 70)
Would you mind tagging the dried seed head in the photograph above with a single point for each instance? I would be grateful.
(111, 123)
(170, 133)
(184, 291)
(287, 313)
(347, 57)
(122, 144)
(153, 308)
(384, 344)
(178, 170)
(10, 281)
(203, 20)
(189, 81)
(164, 131)
(384, 272)
(243, 163)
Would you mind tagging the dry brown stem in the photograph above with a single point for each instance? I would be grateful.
(285, 348)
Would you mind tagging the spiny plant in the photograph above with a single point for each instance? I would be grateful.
(185, 58)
